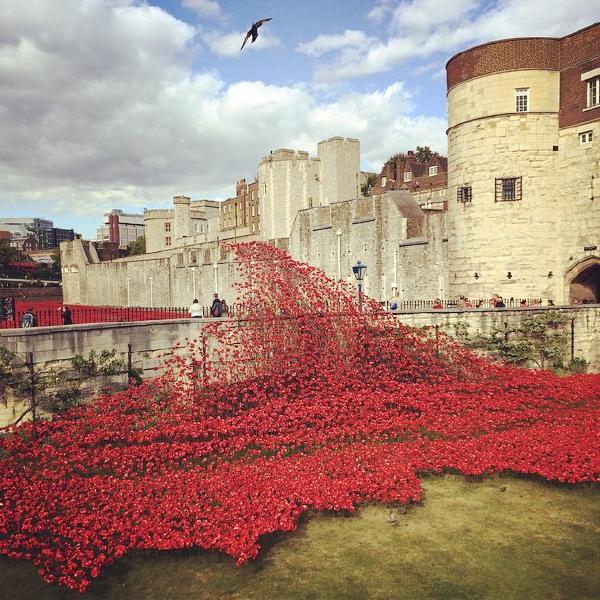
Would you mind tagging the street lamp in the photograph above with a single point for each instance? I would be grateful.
(359, 271)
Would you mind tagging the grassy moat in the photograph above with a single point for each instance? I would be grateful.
(504, 537)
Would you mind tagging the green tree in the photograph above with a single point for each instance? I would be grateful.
(9, 254)
(423, 153)
(395, 157)
(137, 246)
(371, 179)
(55, 267)
(541, 340)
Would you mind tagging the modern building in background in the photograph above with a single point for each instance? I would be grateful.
(34, 233)
(120, 228)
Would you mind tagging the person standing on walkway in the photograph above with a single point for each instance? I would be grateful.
(67, 316)
(195, 310)
(29, 319)
(216, 310)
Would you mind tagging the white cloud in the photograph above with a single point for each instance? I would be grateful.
(95, 117)
(425, 15)
(229, 44)
(421, 28)
(379, 11)
(326, 43)
(205, 8)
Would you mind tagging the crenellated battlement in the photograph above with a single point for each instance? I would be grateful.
(158, 213)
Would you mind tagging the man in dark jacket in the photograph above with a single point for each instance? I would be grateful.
(67, 317)
(216, 310)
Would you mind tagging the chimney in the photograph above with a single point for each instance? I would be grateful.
(113, 229)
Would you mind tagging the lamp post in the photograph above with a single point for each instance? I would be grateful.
(359, 271)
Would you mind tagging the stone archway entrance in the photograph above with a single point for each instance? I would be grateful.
(584, 285)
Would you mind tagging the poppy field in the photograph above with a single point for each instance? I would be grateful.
(305, 401)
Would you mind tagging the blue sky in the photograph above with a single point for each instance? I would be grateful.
(126, 103)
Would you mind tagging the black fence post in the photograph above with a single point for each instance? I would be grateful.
(572, 339)
(129, 347)
(29, 363)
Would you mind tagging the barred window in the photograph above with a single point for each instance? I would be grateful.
(463, 194)
(508, 189)
(167, 226)
(167, 241)
(521, 100)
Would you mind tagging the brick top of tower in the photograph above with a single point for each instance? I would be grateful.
(516, 54)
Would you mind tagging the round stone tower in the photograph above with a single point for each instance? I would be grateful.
(503, 180)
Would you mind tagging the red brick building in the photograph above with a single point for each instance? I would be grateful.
(242, 211)
(406, 171)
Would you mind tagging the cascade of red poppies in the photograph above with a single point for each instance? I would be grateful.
(303, 401)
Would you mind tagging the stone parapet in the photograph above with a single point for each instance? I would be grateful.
(585, 319)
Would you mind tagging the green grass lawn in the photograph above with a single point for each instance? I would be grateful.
(466, 540)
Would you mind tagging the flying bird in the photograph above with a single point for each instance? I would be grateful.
(253, 31)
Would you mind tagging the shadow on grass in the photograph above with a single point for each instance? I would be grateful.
(506, 536)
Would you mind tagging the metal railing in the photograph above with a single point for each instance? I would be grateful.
(115, 314)
(403, 305)
(105, 314)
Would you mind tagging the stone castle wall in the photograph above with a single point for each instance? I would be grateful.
(541, 239)
(531, 247)
(494, 94)
(166, 278)
(290, 181)
(287, 182)
(152, 341)
(578, 205)
(54, 348)
(403, 247)
(586, 324)
(155, 229)
(493, 238)
(340, 169)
